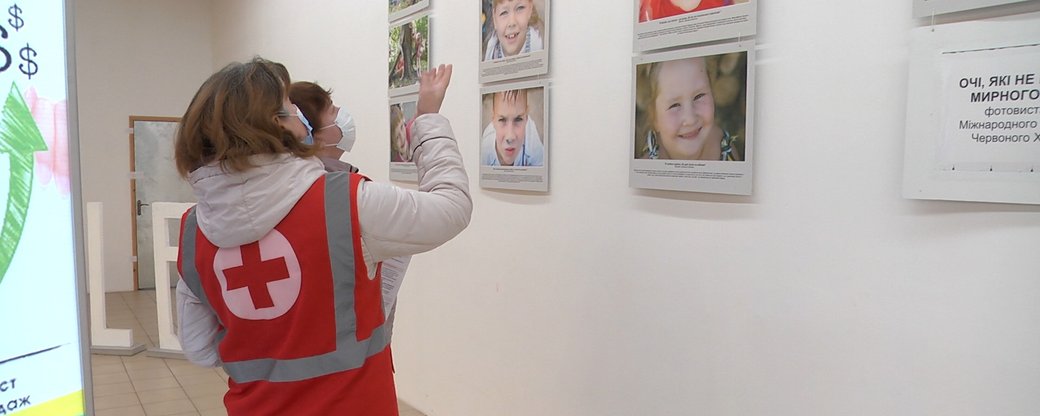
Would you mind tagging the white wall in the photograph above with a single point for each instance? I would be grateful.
(824, 293)
(133, 57)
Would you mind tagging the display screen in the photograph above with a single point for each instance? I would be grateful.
(41, 352)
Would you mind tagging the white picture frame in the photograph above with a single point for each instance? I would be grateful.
(494, 68)
(678, 152)
(518, 163)
(956, 104)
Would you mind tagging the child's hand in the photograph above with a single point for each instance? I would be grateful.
(432, 86)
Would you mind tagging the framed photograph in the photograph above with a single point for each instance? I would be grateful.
(926, 8)
(409, 54)
(973, 123)
(514, 39)
(514, 136)
(402, 8)
(693, 120)
(663, 24)
(402, 168)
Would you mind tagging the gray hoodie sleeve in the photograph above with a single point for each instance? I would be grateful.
(397, 221)
(197, 328)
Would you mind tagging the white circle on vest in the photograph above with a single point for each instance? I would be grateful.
(259, 281)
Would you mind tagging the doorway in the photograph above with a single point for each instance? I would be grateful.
(153, 178)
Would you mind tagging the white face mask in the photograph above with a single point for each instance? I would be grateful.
(310, 136)
(345, 122)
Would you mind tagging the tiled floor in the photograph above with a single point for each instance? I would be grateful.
(145, 386)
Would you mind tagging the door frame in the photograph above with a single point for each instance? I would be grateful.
(133, 189)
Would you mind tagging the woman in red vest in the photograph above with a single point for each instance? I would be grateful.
(280, 260)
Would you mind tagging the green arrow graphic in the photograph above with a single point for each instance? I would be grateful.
(19, 138)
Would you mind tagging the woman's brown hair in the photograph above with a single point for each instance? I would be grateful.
(312, 100)
(234, 116)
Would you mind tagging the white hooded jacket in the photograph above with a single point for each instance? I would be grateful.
(237, 208)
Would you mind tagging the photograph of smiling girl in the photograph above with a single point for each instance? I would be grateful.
(402, 109)
(691, 108)
(514, 144)
(514, 38)
(692, 120)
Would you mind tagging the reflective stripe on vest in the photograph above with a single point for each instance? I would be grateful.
(359, 334)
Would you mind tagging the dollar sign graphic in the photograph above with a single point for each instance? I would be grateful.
(29, 67)
(17, 22)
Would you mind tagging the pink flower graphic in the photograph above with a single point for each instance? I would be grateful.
(52, 120)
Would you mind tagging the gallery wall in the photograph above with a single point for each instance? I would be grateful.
(823, 293)
(133, 57)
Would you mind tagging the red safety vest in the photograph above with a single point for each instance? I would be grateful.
(302, 330)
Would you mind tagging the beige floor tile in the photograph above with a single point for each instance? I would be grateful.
(142, 338)
(121, 323)
(110, 389)
(113, 378)
(203, 390)
(188, 369)
(98, 359)
(98, 369)
(122, 411)
(149, 373)
(120, 313)
(213, 401)
(141, 369)
(169, 408)
(116, 401)
(155, 384)
(162, 395)
(144, 360)
(213, 412)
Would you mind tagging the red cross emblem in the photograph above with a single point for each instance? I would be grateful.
(259, 280)
(255, 273)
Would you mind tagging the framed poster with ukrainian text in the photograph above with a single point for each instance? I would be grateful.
(43, 354)
(693, 120)
(973, 111)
